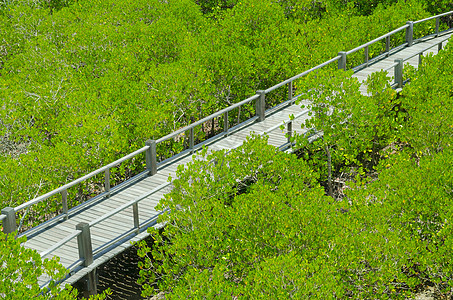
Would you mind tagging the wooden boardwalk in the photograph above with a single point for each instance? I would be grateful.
(410, 55)
(117, 218)
(121, 225)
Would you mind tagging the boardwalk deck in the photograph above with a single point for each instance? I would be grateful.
(120, 227)
(386, 64)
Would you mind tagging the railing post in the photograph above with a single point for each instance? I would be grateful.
(261, 105)
(289, 130)
(107, 182)
(9, 223)
(136, 217)
(290, 90)
(437, 26)
(410, 33)
(342, 60)
(439, 47)
(64, 200)
(84, 244)
(151, 157)
(420, 59)
(366, 55)
(399, 72)
(387, 45)
(86, 253)
(225, 122)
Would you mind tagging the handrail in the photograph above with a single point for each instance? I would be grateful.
(72, 183)
(61, 243)
(259, 97)
(434, 17)
(377, 39)
(399, 66)
(130, 203)
(199, 122)
(425, 49)
(290, 80)
(164, 185)
(415, 54)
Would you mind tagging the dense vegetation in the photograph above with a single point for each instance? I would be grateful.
(261, 226)
(84, 82)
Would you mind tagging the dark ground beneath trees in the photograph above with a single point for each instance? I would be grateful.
(120, 274)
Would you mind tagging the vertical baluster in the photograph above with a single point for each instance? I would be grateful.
(366, 55)
(289, 132)
(420, 59)
(225, 122)
(191, 140)
(64, 200)
(437, 26)
(136, 217)
(439, 47)
(387, 45)
(107, 183)
(290, 90)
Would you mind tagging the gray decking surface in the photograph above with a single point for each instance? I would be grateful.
(121, 225)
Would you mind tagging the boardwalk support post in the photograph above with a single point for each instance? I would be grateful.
(342, 60)
(410, 33)
(86, 253)
(399, 72)
(9, 223)
(261, 105)
(151, 157)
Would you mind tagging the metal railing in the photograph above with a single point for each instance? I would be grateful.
(409, 41)
(398, 64)
(8, 214)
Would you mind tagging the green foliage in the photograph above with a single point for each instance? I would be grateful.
(390, 236)
(243, 225)
(428, 100)
(236, 194)
(83, 83)
(409, 206)
(21, 268)
(354, 128)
